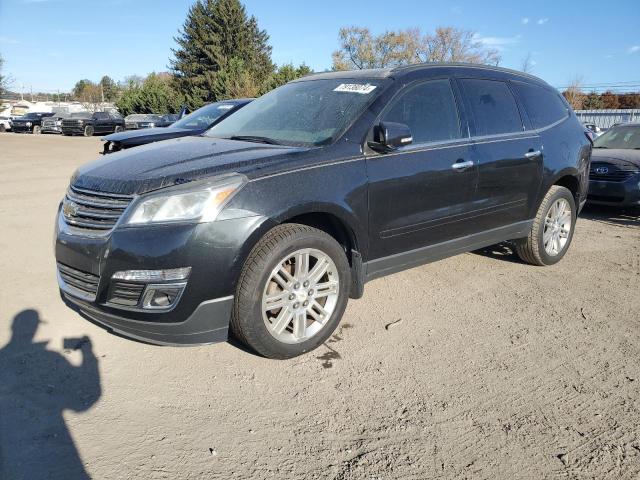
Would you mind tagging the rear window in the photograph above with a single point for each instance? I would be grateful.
(543, 106)
(493, 107)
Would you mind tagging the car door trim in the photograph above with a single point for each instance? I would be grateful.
(380, 267)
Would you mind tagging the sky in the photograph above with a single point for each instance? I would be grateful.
(48, 45)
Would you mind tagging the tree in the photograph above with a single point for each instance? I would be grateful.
(285, 74)
(573, 94)
(527, 64)
(79, 87)
(360, 49)
(109, 88)
(5, 81)
(155, 94)
(593, 102)
(217, 41)
(629, 100)
(90, 96)
(610, 100)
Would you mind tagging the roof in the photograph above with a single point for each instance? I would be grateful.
(400, 71)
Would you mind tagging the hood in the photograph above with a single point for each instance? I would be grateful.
(135, 137)
(616, 155)
(171, 162)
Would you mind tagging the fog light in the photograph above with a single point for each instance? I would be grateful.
(162, 297)
(153, 275)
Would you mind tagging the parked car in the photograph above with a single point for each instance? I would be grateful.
(144, 120)
(52, 124)
(597, 131)
(29, 123)
(615, 167)
(5, 124)
(171, 118)
(270, 221)
(194, 124)
(89, 124)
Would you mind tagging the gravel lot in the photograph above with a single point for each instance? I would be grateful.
(476, 366)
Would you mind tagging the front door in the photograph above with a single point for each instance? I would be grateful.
(421, 194)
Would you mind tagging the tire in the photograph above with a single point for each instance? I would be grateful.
(2, 128)
(118, 129)
(37, 130)
(540, 247)
(284, 340)
(88, 131)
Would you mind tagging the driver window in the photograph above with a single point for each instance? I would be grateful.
(429, 110)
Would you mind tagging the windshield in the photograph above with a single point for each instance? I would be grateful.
(204, 117)
(626, 137)
(32, 115)
(139, 117)
(80, 115)
(306, 113)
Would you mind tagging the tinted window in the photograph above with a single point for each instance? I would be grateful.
(493, 107)
(429, 109)
(100, 115)
(543, 106)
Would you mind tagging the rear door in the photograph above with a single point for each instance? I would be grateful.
(102, 122)
(421, 194)
(509, 157)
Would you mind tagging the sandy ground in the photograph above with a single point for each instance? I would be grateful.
(473, 367)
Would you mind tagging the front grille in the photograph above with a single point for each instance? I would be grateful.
(608, 172)
(93, 210)
(71, 123)
(79, 283)
(126, 293)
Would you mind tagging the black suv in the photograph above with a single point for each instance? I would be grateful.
(272, 219)
(29, 123)
(89, 124)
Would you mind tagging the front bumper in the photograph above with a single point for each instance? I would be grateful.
(51, 129)
(21, 128)
(214, 251)
(619, 194)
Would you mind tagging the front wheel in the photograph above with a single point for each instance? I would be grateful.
(37, 130)
(118, 129)
(552, 229)
(292, 291)
(88, 131)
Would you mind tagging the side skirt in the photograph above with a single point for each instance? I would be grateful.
(420, 256)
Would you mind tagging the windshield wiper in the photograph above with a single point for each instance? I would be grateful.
(255, 138)
(600, 147)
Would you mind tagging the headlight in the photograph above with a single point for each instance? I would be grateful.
(59, 123)
(199, 202)
(28, 124)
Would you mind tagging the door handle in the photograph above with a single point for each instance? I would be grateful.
(532, 154)
(459, 165)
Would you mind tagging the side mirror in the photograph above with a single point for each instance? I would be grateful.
(391, 135)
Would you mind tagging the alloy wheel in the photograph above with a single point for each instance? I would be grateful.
(300, 295)
(557, 227)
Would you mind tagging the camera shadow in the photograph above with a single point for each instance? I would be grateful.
(36, 386)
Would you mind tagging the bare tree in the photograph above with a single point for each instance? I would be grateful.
(360, 49)
(574, 94)
(91, 97)
(5, 80)
(449, 44)
(527, 64)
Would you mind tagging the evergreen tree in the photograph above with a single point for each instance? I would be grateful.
(284, 74)
(593, 102)
(221, 53)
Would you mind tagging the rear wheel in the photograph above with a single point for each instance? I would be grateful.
(552, 229)
(88, 131)
(37, 130)
(292, 291)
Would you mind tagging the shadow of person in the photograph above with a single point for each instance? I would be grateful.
(36, 386)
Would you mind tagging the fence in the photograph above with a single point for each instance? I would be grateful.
(608, 118)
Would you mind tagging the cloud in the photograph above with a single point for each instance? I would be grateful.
(525, 20)
(542, 21)
(634, 49)
(499, 43)
(11, 41)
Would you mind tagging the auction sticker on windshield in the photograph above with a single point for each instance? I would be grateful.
(355, 88)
